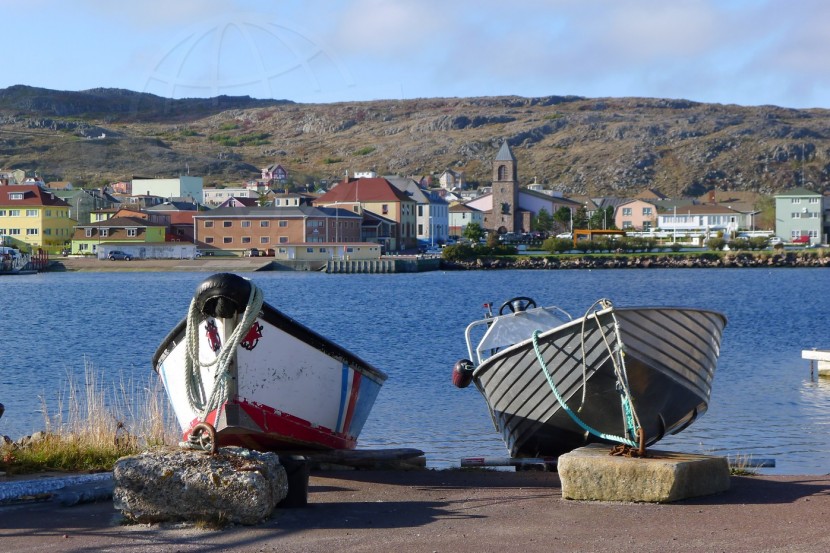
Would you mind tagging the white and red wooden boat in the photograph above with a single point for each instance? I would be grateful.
(240, 372)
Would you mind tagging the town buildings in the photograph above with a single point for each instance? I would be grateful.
(33, 218)
(799, 216)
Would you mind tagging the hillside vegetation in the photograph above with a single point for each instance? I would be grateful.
(595, 146)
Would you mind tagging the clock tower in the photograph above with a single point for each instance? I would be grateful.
(504, 217)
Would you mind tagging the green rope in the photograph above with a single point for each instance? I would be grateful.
(561, 400)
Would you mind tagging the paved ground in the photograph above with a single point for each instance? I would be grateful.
(458, 511)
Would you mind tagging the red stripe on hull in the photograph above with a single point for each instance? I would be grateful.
(272, 430)
(347, 423)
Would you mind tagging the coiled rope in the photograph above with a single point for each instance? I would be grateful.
(193, 377)
(616, 354)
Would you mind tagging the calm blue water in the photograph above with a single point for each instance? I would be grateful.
(411, 325)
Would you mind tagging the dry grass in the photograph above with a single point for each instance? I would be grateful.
(94, 425)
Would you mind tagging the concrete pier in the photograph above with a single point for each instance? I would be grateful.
(591, 473)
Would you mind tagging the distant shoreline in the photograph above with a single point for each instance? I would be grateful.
(763, 259)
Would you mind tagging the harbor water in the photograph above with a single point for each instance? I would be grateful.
(765, 403)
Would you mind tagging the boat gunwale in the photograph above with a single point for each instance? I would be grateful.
(283, 322)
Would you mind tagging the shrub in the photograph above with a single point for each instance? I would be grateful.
(557, 245)
(715, 244)
(738, 244)
(366, 150)
(758, 242)
(459, 252)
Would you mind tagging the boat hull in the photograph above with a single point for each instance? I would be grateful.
(670, 358)
(290, 388)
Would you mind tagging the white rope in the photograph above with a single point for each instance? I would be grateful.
(193, 377)
(616, 354)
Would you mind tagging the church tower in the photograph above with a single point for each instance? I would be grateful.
(504, 217)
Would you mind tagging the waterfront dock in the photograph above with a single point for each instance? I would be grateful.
(819, 360)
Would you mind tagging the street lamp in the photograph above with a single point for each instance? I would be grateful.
(431, 234)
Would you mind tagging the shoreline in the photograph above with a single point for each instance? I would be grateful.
(707, 260)
(459, 511)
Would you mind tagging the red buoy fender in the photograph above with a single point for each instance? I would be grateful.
(462, 373)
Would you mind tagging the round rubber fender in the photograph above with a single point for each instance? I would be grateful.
(223, 295)
(462, 373)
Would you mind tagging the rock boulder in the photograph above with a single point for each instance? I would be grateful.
(234, 486)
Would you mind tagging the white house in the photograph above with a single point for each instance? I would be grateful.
(216, 196)
(179, 187)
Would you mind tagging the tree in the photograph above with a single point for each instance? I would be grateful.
(473, 232)
(563, 218)
(543, 221)
(603, 218)
(581, 218)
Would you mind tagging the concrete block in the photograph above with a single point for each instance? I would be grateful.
(235, 485)
(590, 473)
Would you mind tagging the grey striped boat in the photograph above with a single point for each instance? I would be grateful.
(615, 369)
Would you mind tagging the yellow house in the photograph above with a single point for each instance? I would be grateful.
(33, 218)
(116, 232)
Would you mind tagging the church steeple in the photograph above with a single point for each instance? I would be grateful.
(504, 215)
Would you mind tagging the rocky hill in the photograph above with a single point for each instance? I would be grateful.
(596, 146)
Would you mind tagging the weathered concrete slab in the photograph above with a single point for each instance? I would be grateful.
(590, 473)
(235, 485)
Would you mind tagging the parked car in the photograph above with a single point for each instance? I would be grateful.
(253, 252)
(803, 239)
(119, 255)
(775, 240)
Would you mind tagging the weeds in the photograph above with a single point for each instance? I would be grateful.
(93, 427)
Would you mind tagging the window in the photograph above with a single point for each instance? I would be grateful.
(16, 196)
(626, 211)
(796, 200)
(14, 231)
(88, 232)
(31, 213)
(283, 240)
(627, 224)
(646, 212)
(283, 224)
(796, 215)
(208, 224)
(246, 224)
(322, 250)
(47, 231)
(105, 232)
(420, 211)
(814, 200)
(263, 224)
(309, 250)
(349, 250)
(208, 239)
(227, 224)
(48, 212)
(263, 239)
(283, 250)
(14, 213)
(2, 212)
(384, 208)
(227, 239)
(32, 232)
(246, 239)
(132, 232)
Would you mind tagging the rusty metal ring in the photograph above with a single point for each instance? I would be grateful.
(205, 430)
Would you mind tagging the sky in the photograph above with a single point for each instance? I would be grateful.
(745, 52)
